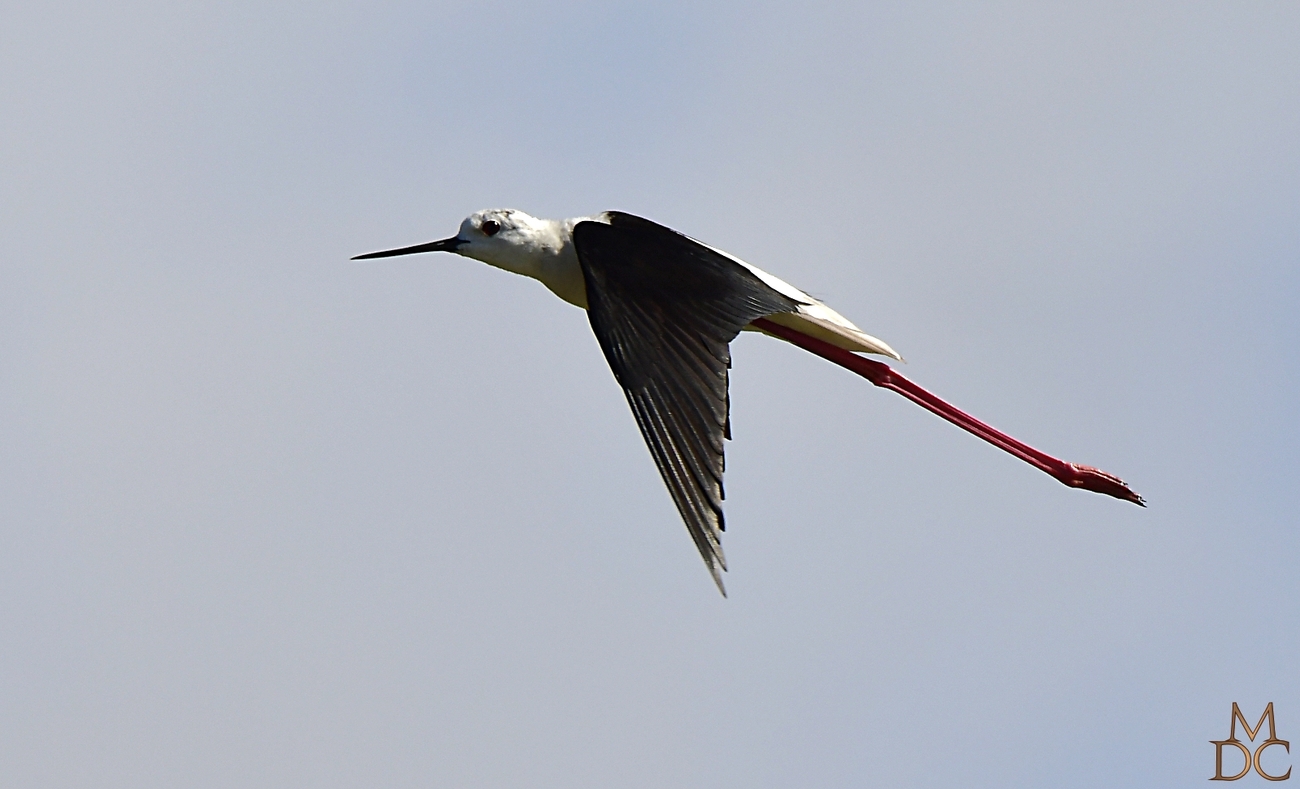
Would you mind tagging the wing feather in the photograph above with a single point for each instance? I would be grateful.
(664, 309)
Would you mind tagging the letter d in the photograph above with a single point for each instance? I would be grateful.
(1218, 760)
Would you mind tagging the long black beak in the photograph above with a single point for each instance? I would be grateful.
(445, 245)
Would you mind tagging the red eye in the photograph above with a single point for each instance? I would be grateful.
(491, 227)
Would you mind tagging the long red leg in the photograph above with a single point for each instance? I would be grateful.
(883, 375)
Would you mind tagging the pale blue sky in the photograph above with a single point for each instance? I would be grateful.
(276, 519)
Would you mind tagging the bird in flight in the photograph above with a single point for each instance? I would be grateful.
(665, 308)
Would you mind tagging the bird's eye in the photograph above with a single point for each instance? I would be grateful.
(491, 227)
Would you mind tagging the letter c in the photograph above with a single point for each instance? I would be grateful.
(1284, 743)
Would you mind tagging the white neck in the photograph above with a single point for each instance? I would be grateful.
(542, 249)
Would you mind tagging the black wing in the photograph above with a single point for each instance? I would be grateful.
(664, 309)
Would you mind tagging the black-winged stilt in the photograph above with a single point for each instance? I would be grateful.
(665, 308)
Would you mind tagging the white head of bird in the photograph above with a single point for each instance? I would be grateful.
(511, 240)
(514, 241)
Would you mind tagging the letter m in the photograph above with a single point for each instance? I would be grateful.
(1250, 733)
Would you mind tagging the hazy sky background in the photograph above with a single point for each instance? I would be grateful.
(276, 519)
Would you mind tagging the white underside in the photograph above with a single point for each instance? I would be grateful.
(816, 319)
